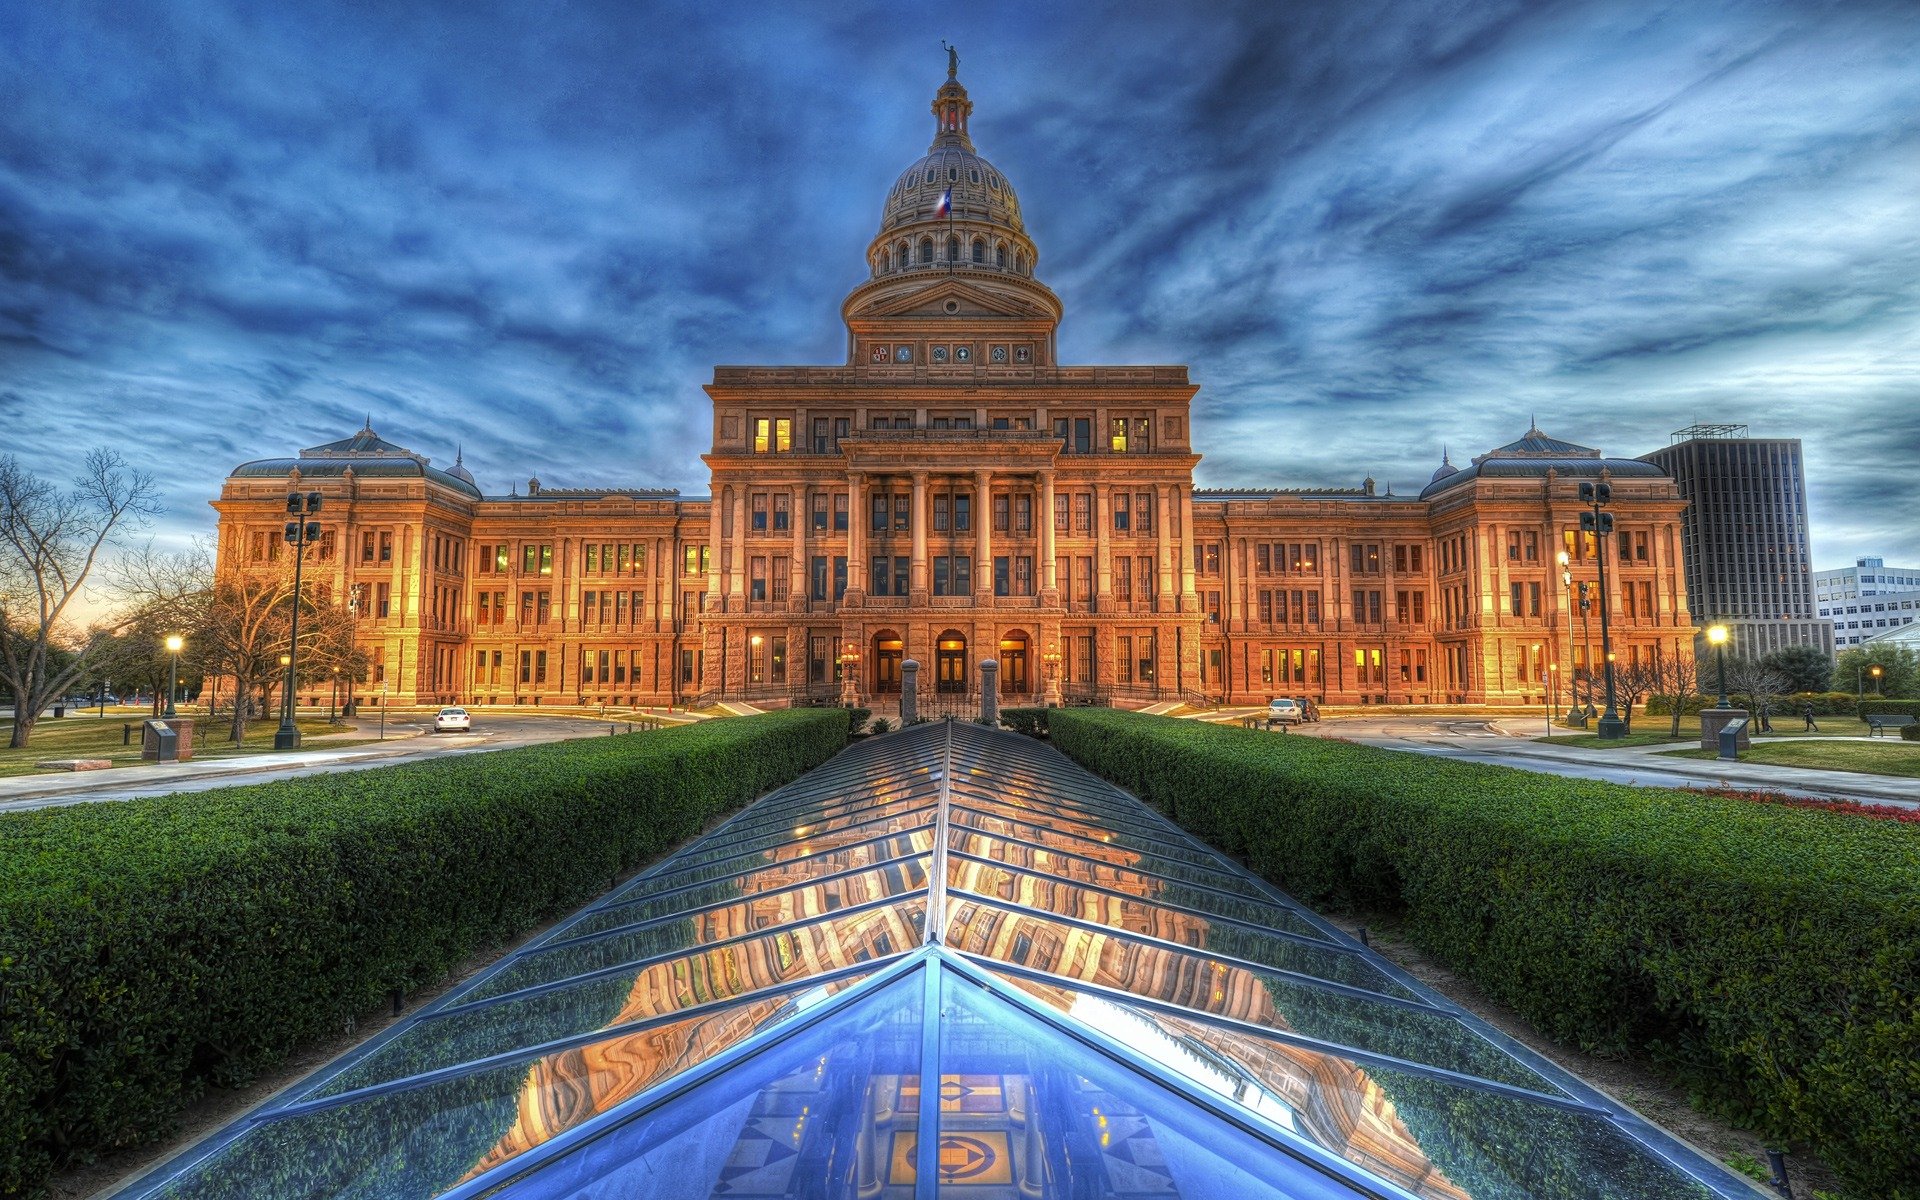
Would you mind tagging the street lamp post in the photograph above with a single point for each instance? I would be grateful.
(1600, 524)
(849, 671)
(1052, 661)
(333, 698)
(301, 532)
(1874, 671)
(1717, 634)
(174, 642)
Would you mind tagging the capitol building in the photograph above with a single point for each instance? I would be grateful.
(953, 493)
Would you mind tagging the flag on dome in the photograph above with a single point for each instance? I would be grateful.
(945, 207)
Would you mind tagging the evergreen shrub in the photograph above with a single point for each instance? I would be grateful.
(1765, 957)
(151, 947)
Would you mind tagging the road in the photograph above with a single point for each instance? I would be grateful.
(1509, 742)
(410, 738)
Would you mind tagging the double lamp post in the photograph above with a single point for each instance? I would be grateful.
(302, 531)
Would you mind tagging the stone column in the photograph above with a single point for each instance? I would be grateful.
(1103, 550)
(737, 569)
(990, 691)
(1049, 581)
(797, 595)
(917, 576)
(857, 518)
(1165, 599)
(982, 533)
(1183, 546)
(909, 691)
(716, 538)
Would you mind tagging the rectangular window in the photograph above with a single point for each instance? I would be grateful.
(1533, 599)
(819, 435)
(759, 505)
(1023, 514)
(1513, 599)
(1366, 558)
(1143, 513)
(1262, 559)
(962, 514)
(817, 573)
(1123, 578)
(1083, 513)
(820, 511)
(1083, 435)
(840, 511)
(903, 511)
(940, 513)
(541, 609)
(782, 514)
(1002, 576)
(782, 577)
(1000, 510)
(526, 666)
(1122, 511)
(1061, 504)
(1123, 659)
(1023, 575)
(839, 577)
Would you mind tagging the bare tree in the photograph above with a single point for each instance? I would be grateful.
(1631, 683)
(50, 543)
(1676, 676)
(1761, 685)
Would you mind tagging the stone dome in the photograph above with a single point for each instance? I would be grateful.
(1445, 469)
(951, 207)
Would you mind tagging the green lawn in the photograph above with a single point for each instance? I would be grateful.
(91, 737)
(1654, 731)
(1874, 758)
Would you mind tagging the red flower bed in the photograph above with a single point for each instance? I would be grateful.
(1852, 808)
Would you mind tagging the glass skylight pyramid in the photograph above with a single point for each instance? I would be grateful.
(1099, 1005)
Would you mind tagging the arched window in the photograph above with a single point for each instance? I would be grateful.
(953, 174)
(1000, 255)
(974, 176)
(979, 251)
(929, 174)
(926, 249)
(889, 259)
(953, 249)
(906, 256)
(1020, 262)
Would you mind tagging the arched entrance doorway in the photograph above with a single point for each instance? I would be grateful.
(1015, 679)
(888, 651)
(950, 662)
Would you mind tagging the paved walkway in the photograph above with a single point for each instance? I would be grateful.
(408, 740)
(1509, 742)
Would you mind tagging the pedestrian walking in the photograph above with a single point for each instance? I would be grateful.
(1806, 713)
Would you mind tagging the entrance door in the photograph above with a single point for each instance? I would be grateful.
(950, 662)
(1013, 665)
(887, 654)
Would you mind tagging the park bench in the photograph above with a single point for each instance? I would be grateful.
(1878, 723)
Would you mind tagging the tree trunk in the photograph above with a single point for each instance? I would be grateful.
(23, 723)
(237, 733)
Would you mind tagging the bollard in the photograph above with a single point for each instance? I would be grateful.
(1777, 1160)
(126, 735)
(909, 692)
(989, 691)
(396, 997)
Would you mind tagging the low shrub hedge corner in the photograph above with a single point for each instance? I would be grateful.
(150, 947)
(1766, 957)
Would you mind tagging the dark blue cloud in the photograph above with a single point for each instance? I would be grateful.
(230, 229)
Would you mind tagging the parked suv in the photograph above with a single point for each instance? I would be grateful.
(1284, 711)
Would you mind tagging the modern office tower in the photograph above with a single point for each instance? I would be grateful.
(1746, 551)
(1867, 598)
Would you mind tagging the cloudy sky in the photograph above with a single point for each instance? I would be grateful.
(228, 230)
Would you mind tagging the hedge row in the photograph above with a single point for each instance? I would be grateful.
(150, 947)
(1767, 958)
(1825, 704)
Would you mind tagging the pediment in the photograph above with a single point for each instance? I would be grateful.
(952, 298)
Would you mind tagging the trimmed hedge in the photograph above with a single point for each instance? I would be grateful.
(1767, 958)
(150, 947)
(1030, 721)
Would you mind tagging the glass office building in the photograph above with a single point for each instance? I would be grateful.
(947, 963)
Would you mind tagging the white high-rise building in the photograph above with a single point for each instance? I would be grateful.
(1867, 598)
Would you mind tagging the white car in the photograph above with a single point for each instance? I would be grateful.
(452, 720)
(1284, 711)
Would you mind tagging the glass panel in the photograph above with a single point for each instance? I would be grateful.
(469, 1034)
(1430, 1137)
(1104, 869)
(993, 881)
(1207, 985)
(417, 1143)
(817, 1116)
(802, 867)
(816, 835)
(1027, 1111)
(1179, 895)
(719, 891)
(1001, 825)
(785, 957)
(1029, 810)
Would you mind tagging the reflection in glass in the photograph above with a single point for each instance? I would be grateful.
(993, 881)
(780, 957)
(1207, 985)
(418, 1142)
(821, 835)
(813, 1117)
(1027, 1111)
(803, 862)
(1050, 855)
(1437, 1140)
(1016, 829)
